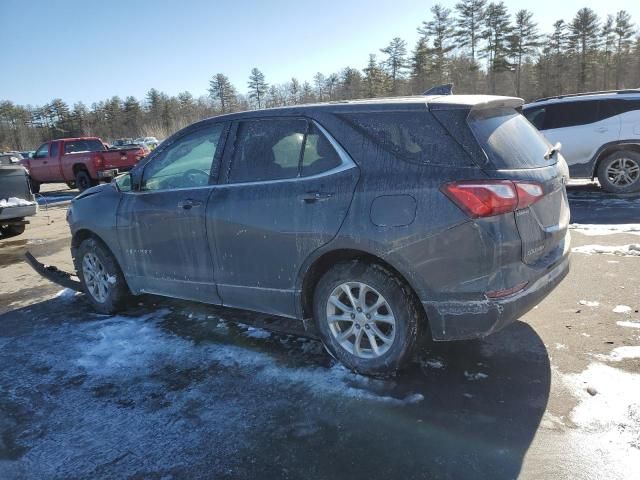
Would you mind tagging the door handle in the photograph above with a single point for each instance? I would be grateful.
(313, 197)
(188, 204)
(602, 129)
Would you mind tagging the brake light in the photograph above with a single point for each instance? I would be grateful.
(487, 198)
(98, 161)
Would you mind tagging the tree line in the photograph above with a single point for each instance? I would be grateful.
(478, 46)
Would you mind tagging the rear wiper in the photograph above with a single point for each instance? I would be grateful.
(552, 151)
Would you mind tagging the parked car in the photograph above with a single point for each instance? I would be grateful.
(121, 142)
(370, 221)
(16, 199)
(27, 154)
(79, 162)
(599, 133)
(151, 142)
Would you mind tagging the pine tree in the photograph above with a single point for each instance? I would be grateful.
(257, 86)
(608, 41)
(624, 31)
(440, 30)
(420, 66)
(395, 62)
(583, 41)
(374, 79)
(351, 80)
(223, 92)
(523, 42)
(320, 82)
(295, 91)
(469, 24)
(497, 28)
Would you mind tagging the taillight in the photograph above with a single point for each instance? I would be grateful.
(486, 198)
(98, 161)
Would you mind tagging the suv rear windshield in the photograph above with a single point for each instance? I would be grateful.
(508, 139)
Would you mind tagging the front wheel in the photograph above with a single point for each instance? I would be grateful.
(367, 317)
(13, 230)
(101, 277)
(620, 172)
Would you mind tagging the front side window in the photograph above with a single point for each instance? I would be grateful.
(43, 151)
(187, 162)
(55, 147)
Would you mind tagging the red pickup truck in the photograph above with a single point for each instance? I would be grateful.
(79, 162)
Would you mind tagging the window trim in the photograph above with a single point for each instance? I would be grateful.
(346, 162)
(213, 179)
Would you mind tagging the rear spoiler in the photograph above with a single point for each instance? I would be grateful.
(473, 102)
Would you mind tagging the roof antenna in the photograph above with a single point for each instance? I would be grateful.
(445, 89)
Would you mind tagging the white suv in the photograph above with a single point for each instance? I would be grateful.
(599, 133)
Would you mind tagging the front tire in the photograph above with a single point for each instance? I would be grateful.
(12, 230)
(367, 317)
(101, 277)
(620, 172)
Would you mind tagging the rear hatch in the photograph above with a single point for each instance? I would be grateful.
(510, 148)
(14, 183)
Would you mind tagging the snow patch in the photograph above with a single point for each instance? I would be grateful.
(432, 363)
(475, 376)
(621, 353)
(15, 202)
(631, 250)
(629, 324)
(254, 332)
(589, 303)
(622, 309)
(595, 229)
(66, 294)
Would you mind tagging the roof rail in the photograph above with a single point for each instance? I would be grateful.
(568, 95)
(445, 89)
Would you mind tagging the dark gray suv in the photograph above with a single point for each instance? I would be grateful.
(370, 221)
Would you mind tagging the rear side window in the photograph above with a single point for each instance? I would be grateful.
(319, 155)
(412, 136)
(571, 114)
(267, 150)
(624, 106)
(508, 139)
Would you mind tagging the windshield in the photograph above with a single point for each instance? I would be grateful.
(509, 140)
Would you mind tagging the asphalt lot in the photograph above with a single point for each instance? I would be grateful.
(181, 390)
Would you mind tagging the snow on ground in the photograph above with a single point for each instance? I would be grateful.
(629, 324)
(622, 309)
(589, 303)
(622, 353)
(475, 376)
(66, 294)
(609, 404)
(631, 250)
(15, 202)
(603, 229)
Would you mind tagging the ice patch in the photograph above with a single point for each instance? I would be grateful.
(593, 230)
(15, 202)
(475, 376)
(432, 363)
(589, 303)
(66, 294)
(253, 332)
(629, 324)
(631, 250)
(622, 309)
(621, 353)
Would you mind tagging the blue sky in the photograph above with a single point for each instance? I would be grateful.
(90, 50)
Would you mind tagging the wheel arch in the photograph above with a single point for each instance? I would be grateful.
(324, 262)
(77, 167)
(610, 148)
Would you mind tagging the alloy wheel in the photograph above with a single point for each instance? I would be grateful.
(361, 320)
(96, 277)
(623, 172)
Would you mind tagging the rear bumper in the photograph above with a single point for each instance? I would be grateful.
(7, 213)
(460, 320)
(104, 174)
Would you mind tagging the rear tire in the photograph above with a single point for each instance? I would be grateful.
(84, 181)
(12, 230)
(620, 172)
(374, 333)
(71, 185)
(101, 277)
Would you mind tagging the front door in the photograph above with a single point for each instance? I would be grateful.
(161, 226)
(288, 188)
(39, 164)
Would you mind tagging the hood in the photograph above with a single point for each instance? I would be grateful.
(93, 191)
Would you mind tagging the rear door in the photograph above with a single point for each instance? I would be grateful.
(517, 151)
(287, 190)
(161, 227)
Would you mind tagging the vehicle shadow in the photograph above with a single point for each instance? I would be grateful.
(462, 410)
(592, 205)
